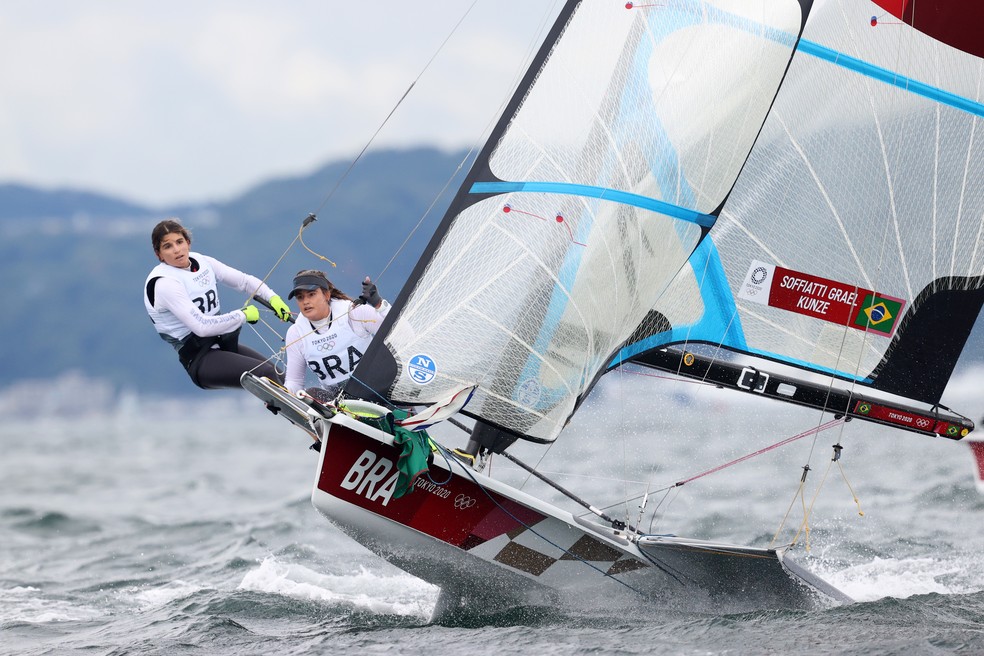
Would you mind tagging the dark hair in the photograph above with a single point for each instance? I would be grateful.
(164, 228)
(333, 292)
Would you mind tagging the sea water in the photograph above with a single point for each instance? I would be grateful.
(186, 527)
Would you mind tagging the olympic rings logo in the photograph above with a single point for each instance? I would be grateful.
(462, 501)
(326, 346)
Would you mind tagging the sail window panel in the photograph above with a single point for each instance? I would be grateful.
(625, 97)
(531, 308)
(681, 304)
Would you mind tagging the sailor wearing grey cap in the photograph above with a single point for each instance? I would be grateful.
(331, 333)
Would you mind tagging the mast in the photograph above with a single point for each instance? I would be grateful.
(604, 173)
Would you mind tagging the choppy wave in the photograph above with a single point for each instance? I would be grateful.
(188, 533)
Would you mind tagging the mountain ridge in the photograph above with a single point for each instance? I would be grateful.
(75, 261)
(78, 259)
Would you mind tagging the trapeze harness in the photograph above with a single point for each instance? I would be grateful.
(333, 352)
(201, 285)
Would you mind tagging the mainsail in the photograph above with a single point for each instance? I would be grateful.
(608, 167)
(712, 173)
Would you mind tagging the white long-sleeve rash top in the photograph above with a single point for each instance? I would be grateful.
(171, 295)
(362, 322)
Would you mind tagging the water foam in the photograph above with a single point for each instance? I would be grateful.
(400, 594)
(28, 605)
(149, 598)
(900, 578)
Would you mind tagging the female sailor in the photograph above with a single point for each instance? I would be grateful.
(181, 296)
(331, 334)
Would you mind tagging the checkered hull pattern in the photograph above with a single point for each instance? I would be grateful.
(481, 522)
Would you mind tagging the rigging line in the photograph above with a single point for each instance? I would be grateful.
(457, 424)
(703, 278)
(530, 472)
(830, 385)
(570, 495)
(788, 440)
(811, 431)
(623, 432)
(850, 487)
(672, 494)
(276, 353)
(352, 164)
(398, 103)
(805, 525)
(798, 493)
(532, 530)
(471, 151)
(304, 224)
(426, 213)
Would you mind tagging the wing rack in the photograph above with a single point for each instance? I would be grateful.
(935, 421)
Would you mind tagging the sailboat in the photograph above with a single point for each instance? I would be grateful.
(777, 197)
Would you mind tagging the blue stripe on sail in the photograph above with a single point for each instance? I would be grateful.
(887, 76)
(718, 325)
(669, 209)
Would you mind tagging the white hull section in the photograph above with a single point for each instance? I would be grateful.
(478, 538)
(489, 546)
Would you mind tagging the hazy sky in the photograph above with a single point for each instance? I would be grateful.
(180, 101)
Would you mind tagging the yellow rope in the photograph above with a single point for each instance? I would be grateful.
(855, 496)
(320, 257)
(798, 493)
(805, 526)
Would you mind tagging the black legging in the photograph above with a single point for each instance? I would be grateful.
(218, 368)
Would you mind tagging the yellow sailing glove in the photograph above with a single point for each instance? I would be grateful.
(280, 308)
(252, 314)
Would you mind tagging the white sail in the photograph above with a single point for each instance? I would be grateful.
(597, 185)
(867, 178)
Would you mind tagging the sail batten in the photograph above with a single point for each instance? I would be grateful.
(636, 200)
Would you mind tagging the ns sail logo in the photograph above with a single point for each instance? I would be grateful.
(421, 369)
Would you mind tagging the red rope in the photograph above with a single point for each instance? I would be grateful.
(812, 431)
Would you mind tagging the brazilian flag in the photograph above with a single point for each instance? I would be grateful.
(878, 313)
